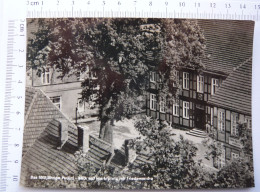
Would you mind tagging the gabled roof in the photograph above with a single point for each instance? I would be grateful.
(235, 92)
(41, 138)
(39, 111)
(228, 42)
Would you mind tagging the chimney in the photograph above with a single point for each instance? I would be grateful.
(83, 138)
(130, 153)
(63, 132)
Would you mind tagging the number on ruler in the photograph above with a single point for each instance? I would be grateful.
(21, 50)
(16, 145)
(88, 2)
(18, 112)
(73, 2)
(16, 161)
(119, 3)
(228, 5)
(166, 3)
(19, 81)
(58, 3)
(257, 6)
(104, 2)
(19, 97)
(150, 3)
(135, 2)
(213, 5)
(182, 4)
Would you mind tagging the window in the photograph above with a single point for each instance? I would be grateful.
(212, 116)
(234, 121)
(214, 85)
(221, 120)
(46, 77)
(234, 156)
(152, 101)
(56, 101)
(248, 122)
(221, 158)
(185, 80)
(163, 105)
(175, 109)
(81, 106)
(200, 83)
(186, 107)
(152, 77)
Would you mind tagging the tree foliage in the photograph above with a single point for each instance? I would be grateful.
(171, 162)
(121, 52)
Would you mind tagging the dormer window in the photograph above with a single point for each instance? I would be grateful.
(214, 85)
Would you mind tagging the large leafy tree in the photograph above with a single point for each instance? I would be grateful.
(121, 52)
(170, 162)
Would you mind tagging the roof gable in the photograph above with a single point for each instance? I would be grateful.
(235, 91)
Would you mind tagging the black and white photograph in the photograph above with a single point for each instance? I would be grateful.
(138, 103)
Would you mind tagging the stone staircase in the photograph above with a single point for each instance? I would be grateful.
(197, 133)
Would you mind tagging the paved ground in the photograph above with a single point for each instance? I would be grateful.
(125, 130)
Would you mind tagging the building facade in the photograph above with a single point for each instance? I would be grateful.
(65, 93)
(231, 107)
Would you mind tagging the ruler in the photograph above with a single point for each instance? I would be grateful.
(13, 55)
(200, 9)
(12, 89)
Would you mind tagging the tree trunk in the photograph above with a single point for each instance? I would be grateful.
(106, 125)
(106, 131)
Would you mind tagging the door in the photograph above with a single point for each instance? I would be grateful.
(200, 117)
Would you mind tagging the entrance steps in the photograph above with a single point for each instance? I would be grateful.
(197, 133)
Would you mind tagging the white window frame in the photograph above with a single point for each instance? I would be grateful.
(46, 77)
(176, 109)
(186, 108)
(248, 121)
(200, 83)
(163, 105)
(185, 80)
(214, 85)
(57, 104)
(234, 156)
(152, 77)
(221, 120)
(152, 101)
(234, 124)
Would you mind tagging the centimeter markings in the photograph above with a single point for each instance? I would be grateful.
(12, 129)
(200, 9)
